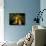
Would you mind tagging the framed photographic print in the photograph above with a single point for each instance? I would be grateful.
(17, 18)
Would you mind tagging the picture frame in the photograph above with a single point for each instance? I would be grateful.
(17, 18)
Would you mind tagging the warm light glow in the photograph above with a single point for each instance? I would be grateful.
(18, 19)
(19, 22)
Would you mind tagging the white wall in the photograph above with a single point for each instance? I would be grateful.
(43, 6)
(1, 21)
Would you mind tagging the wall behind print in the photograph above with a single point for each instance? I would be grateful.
(29, 7)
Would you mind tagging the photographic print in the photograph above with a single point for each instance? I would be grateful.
(17, 18)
